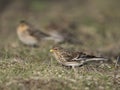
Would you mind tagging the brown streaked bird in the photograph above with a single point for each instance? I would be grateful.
(31, 36)
(73, 58)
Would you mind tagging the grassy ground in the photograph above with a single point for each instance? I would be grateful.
(26, 68)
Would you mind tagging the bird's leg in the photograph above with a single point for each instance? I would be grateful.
(73, 67)
(75, 71)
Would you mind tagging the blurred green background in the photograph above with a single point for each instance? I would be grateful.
(98, 21)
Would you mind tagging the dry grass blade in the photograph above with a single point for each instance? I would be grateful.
(115, 81)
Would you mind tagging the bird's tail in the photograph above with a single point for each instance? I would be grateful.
(91, 59)
(96, 59)
(84, 61)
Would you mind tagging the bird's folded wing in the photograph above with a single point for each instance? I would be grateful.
(86, 58)
(37, 33)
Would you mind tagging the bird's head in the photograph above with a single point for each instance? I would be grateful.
(56, 49)
(23, 25)
(58, 53)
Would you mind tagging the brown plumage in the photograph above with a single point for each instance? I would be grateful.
(72, 58)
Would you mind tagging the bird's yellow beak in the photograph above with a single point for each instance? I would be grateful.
(51, 50)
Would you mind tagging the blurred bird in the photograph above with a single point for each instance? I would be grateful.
(30, 36)
(72, 58)
(66, 32)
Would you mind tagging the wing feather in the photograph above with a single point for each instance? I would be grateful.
(37, 33)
